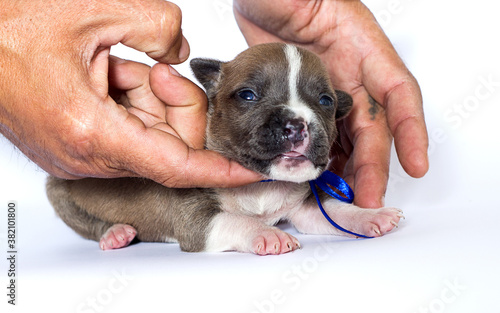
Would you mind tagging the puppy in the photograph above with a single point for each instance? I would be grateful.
(273, 110)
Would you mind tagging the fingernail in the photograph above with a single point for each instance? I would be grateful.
(184, 50)
(173, 71)
(116, 60)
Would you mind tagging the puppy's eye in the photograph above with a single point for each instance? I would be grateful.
(247, 95)
(326, 100)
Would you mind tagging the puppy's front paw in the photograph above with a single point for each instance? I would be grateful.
(117, 236)
(274, 241)
(377, 222)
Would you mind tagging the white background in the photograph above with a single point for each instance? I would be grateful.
(443, 258)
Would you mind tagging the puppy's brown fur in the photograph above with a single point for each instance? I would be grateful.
(272, 109)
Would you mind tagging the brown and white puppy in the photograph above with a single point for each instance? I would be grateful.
(272, 109)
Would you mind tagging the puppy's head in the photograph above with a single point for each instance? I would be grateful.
(273, 110)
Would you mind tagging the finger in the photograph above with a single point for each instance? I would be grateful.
(154, 28)
(341, 150)
(367, 169)
(406, 119)
(126, 74)
(129, 86)
(400, 95)
(169, 161)
(186, 104)
(206, 168)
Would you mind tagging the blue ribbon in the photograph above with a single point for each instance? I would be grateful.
(324, 181)
(328, 178)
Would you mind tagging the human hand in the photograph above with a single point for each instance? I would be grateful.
(55, 102)
(77, 112)
(361, 61)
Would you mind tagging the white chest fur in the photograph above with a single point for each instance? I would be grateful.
(268, 201)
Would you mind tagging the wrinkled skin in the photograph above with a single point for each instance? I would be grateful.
(77, 112)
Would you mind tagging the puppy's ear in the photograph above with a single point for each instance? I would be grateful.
(207, 72)
(344, 104)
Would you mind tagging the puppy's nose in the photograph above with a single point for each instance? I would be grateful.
(295, 131)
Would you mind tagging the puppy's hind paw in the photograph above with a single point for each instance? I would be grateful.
(117, 236)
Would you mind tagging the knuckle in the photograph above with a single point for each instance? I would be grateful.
(154, 28)
(80, 142)
(168, 26)
(173, 11)
(166, 20)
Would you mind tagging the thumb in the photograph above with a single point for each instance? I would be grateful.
(167, 160)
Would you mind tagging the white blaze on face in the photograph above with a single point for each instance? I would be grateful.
(294, 102)
(286, 169)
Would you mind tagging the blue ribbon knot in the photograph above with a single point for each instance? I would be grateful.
(324, 181)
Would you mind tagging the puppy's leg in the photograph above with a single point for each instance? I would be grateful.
(116, 210)
(85, 224)
(367, 222)
(117, 236)
(235, 232)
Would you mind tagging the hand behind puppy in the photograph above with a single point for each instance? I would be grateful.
(361, 61)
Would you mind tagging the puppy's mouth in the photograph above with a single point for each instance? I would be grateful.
(293, 166)
(293, 156)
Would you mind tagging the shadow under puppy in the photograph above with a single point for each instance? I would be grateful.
(273, 110)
